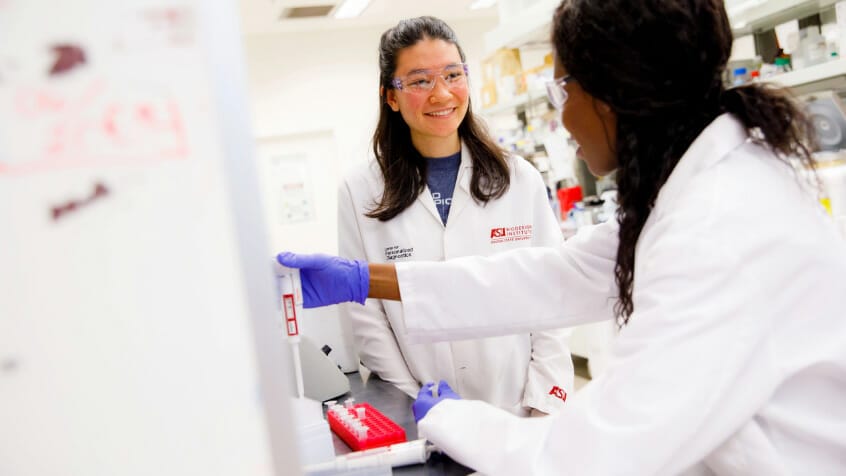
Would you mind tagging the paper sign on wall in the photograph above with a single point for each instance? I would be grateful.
(295, 199)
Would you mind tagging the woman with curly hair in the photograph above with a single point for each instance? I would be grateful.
(722, 269)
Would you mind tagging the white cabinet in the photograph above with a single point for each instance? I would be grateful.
(747, 16)
(531, 25)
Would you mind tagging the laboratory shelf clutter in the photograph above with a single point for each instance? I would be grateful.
(748, 16)
(522, 100)
(529, 27)
(828, 75)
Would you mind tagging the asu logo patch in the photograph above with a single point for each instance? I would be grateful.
(558, 392)
(511, 233)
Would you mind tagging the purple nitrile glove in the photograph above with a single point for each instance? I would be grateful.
(328, 279)
(426, 400)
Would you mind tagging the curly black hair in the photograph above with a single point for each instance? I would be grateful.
(659, 64)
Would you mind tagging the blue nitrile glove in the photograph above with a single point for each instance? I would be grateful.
(328, 279)
(426, 400)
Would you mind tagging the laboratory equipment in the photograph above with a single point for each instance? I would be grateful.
(399, 454)
(567, 197)
(317, 376)
(289, 314)
(363, 427)
(782, 65)
(312, 430)
(739, 76)
(826, 112)
(322, 379)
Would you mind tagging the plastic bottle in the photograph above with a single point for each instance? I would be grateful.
(768, 70)
(740, 76)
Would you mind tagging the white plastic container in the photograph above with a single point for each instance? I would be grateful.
(313, 433)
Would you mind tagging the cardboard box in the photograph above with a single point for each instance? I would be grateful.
(489, 94)
(504, 70)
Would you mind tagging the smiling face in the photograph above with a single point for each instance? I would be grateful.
(592, 124)
(432, 116)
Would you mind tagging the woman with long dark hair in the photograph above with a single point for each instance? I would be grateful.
(723, 270)
(437, 188)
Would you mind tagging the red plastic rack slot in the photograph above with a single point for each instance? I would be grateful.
(381, 430)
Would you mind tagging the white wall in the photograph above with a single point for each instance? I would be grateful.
(304, 82)
(312, 82)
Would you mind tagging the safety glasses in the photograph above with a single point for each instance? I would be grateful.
(423, 80)
(556, 93)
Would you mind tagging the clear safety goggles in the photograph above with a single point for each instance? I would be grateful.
(556, 93)
(454, 75)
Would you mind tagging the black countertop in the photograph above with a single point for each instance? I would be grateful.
(396, 405)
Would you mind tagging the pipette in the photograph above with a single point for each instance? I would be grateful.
(400, 454)
(289, 313)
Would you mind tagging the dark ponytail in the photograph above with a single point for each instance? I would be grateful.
(664, 97)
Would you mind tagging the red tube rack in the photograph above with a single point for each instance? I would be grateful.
(381, 430)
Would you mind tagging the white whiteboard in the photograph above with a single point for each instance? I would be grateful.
(138, 333)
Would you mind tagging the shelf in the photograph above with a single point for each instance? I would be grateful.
(748, 16)
(528, 99)
(829, 75)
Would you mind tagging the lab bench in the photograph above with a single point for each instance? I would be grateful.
(396, 405)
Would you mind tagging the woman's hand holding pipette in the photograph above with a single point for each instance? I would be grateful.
(328, 279)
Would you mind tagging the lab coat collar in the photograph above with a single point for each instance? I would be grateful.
(723, 135)
(461, 194)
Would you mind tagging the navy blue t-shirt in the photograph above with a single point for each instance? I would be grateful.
(441, 174)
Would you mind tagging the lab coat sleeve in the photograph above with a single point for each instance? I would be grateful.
(677, 387)
(522, 290)
(373, 335)
(550, 373)
(482, 435)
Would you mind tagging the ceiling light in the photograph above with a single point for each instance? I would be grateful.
(479, 4)
(350, 8)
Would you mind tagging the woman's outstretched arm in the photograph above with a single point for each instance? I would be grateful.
(383, 282)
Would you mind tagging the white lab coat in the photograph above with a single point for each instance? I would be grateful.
(733, 362)
(514, 372)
